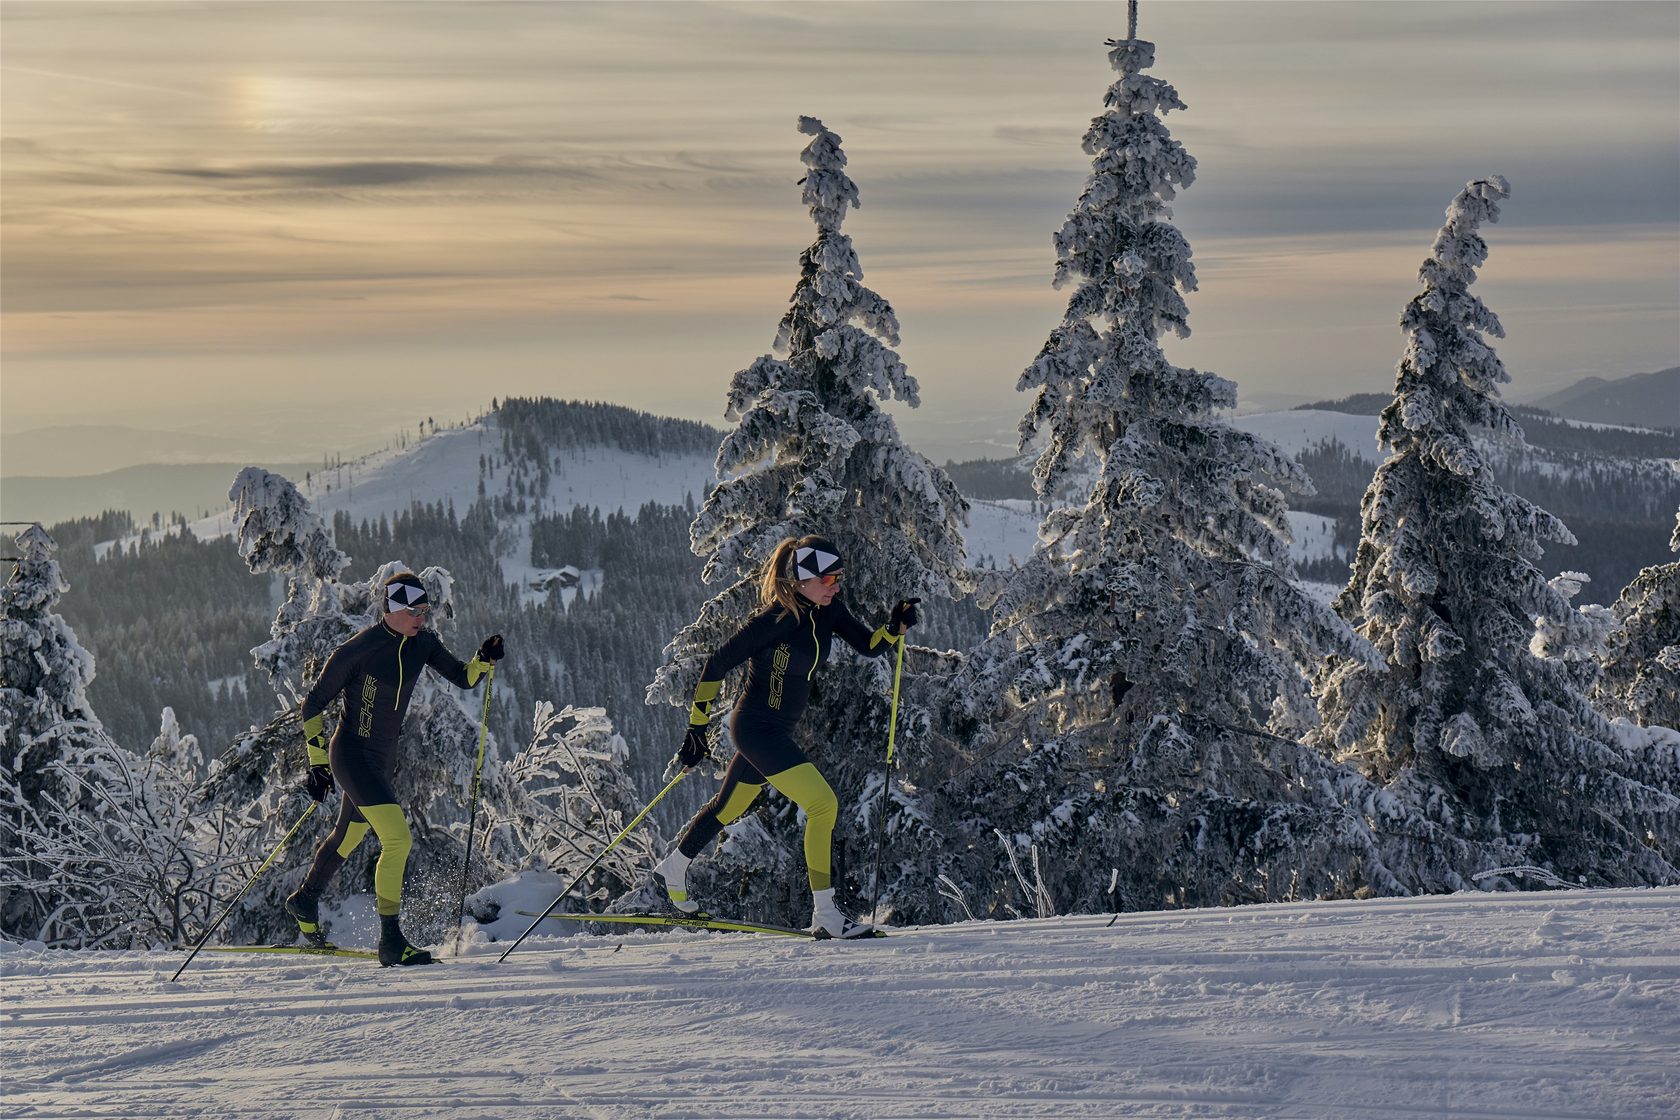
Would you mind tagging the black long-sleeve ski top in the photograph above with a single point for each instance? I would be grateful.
(783, 651)
(376, 671)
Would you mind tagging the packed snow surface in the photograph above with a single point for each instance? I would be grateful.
(1561, 1004)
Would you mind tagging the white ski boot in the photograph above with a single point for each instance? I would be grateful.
(827, 921)
(673, 869)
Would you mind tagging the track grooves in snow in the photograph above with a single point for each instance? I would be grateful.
(145, 1056)
(1472, 1006)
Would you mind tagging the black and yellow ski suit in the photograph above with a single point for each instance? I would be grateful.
(375, 672)
(783, 651)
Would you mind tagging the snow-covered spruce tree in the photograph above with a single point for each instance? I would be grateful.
(1465, 723)
(1641, 664)
(180, 752)
(815, 452)
(1145, 675)
(258, 776)
(562, 800)
(46, 724)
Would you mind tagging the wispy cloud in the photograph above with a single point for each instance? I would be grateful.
(361, 173)
(571, 179)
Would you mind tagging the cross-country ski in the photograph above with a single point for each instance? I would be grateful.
(296, 950)
(692, 921)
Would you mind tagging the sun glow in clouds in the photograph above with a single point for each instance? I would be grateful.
(559, 188)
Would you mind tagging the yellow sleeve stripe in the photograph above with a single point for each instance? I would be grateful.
(883, 635)
(315, 739)
(700, 712)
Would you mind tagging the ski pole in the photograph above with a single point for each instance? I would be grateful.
(886, 783)
(472, 812)
(218, 922)
(670, 785)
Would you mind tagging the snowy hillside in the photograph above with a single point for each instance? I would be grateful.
(1299, 430)
(444, 468)
(1000, 531)
(1520, 1006)
(1311, 535)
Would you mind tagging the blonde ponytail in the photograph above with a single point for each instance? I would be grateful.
(777, 585)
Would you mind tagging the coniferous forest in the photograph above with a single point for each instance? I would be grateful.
(1151, 709)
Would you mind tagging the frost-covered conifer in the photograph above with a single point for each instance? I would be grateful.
(44, 670)
(46, 723)
(1464, 722)
(1144, 674)
(181, 753)
(279, 532)
(1641, 663)
(815, 452)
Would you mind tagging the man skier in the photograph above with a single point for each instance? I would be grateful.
(375, 671)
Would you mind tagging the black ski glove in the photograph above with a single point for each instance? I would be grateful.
(904, 616)
(319, 782)
(695, 749)
(492, 649)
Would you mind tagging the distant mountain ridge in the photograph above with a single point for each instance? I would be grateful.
(1543, 429)
(164, 488)
(1644, 399)
(82, 450)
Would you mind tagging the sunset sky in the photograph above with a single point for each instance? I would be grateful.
(316, 223)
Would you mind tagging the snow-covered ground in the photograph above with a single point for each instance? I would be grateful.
(1300, 430)
(1312, 536)
(1536, 1005)
(1600, 426)
(1000, 531)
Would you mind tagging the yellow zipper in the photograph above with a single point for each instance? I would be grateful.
(816, 646)
(400, 643)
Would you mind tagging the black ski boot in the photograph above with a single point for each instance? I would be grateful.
(306, 908)
(394, 947)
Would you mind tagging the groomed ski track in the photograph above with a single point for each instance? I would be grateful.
(1561, 1004)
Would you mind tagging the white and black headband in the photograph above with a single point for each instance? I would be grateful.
(402, 593)
(811, 561)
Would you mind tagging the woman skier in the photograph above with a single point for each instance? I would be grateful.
(783, 643)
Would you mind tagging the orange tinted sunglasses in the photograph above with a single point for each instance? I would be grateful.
(831, 579)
